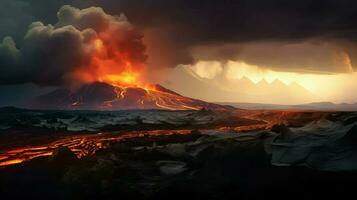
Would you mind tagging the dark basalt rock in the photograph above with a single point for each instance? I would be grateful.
(351, 135)
(284, 132)
(63, 155)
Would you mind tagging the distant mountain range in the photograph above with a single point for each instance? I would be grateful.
(309, 106)
(221, 89)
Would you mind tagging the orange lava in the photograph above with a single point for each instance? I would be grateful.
(81, 145)
(11, 162)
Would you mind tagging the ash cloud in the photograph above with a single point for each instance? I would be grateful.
(50, 53)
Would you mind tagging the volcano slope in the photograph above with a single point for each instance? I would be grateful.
(105, 96)
(151, 154)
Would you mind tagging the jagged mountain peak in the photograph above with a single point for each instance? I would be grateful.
(263, 82)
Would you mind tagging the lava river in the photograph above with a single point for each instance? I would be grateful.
(81, 145)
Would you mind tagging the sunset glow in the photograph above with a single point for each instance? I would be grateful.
(326, 86)
(238, 70)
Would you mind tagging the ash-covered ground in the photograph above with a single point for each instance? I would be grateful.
(154, 154)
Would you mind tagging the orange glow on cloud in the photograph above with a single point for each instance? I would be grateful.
(98, 44)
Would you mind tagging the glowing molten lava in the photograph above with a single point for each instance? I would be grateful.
(125, 77)
(81, 145)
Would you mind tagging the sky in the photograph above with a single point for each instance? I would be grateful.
(231, 47)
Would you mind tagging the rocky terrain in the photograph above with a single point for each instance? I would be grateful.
(241, 154)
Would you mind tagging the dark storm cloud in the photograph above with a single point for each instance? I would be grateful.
(308, 56)
(189, 24)
(177, 29)
(13, 21)
(47, 54)
(50, 53)
(17, 15)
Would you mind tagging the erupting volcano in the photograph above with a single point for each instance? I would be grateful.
(95, 61)
(114, 80)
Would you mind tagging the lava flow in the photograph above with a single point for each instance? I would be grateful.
(80, 145)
